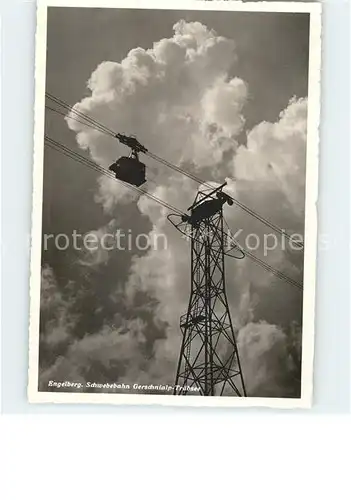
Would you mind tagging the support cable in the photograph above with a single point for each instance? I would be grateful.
(97, 168)
(103, 129)
(263, 264)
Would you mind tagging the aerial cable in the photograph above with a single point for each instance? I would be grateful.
(178, 169)
(110, 132)
(263, 264)
(271, 269)
(81, 115)
(237, 202)
(94, 166)
(86, 162)
(97, 168)
(62, 113)
(71, 109)
(74, 156)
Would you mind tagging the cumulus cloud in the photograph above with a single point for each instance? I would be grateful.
(265, 360)
(103, 357)
(57, 321)
(182, 101)
(176, 97)
(121, 350)
(275, 155)
(98, 245)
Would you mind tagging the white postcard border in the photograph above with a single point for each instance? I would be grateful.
(310, 247)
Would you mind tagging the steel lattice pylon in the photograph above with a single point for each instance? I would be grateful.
(209, 358)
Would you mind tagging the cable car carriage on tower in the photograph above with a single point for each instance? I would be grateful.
(204, 209)
(129, 168)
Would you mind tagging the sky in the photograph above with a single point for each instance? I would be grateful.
(223, 94)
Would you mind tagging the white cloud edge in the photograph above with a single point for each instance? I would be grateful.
(34, 396)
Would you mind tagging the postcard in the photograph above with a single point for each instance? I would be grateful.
(174, 223)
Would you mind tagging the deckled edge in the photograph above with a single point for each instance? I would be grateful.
(311, 217)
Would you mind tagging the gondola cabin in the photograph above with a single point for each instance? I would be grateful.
(130, 170)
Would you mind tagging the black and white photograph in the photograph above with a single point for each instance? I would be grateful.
(174, 222)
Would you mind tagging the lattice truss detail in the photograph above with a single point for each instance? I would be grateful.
(209, 358)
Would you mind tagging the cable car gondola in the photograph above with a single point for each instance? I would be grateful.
(129, 169)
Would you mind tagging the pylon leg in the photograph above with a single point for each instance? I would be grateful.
(209, 358)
